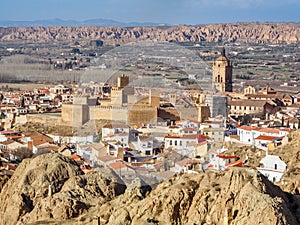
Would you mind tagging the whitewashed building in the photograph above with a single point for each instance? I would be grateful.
(145, 144)
(272, 167)
(116, 132)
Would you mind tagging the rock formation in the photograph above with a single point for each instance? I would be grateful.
(3, 180)
(52, 189)
(233, 197)
(52, 186)
(239, 32)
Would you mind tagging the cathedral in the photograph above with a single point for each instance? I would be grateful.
(222, 74)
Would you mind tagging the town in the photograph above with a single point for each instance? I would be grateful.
(150, 131)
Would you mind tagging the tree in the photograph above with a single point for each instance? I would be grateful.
(2, 116)
(23, 102)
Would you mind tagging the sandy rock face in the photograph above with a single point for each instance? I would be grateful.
(232, 197)
(26, 198)
(3, 180)
(236, 197)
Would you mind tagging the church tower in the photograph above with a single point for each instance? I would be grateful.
(222, 74)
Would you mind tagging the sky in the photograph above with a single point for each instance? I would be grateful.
(158, 11)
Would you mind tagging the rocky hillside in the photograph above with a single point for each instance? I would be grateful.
(232, 197)
(289, 153)
(238, 196)
(52, 186)
(240, 32)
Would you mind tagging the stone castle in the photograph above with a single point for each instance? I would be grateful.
(123, 105)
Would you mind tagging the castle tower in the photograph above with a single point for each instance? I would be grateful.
(123, 81)
(222, 74)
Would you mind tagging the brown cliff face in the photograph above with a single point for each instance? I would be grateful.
(241, 32)
(25, 198)
(232, 197)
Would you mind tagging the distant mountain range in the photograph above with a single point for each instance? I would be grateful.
(74, 23)
(271, 33)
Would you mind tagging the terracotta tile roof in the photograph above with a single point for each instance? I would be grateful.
(183, 162)
(97, 146)
(266, 138)
(227, 156)
(9, 132)
(249, 128)
(106, 158)
(172, 136)
(38, 138)
(247, 102)
(14, 136)
(145, 138)
(76, 157)
(293, 120)
(238, 163)
(7, 142)
(190, 136)
(269, 130)
(285, 129)
(266, 96)
(190, 129)
(202, 143)
(117, 165)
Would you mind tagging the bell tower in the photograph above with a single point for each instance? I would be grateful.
(222, 74)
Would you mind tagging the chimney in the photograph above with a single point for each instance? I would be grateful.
(30, 145)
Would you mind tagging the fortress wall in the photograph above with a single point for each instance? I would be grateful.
(142, 116)
(108, 113)
(46, 119)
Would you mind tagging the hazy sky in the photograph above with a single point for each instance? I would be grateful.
(162, 11)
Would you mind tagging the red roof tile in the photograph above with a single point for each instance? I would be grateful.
(117, 165)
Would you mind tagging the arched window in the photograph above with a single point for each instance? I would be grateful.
(218, 78)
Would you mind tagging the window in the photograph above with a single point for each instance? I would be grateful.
(148, 152)
(175, 143)
(171, 143)
(180, 143)
(275, 166)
